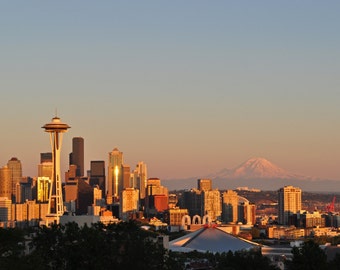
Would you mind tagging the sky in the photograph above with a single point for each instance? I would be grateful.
(188, 87)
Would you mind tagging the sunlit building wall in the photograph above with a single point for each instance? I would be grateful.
(97, 196)
(114, 173)
(204, 184)
(289, 203)
(161, 202)
(43, 189)
(139, 179)
(71, 174)
(229, 206)
(29, 213)
(173, 200)
(311, 220)
(45, 169)
(71, 194)
(249, 213)
(5, 209)
(211, 203)
(246, 212)
(5, 183)
(33, 213)
(154, 188)
(129, 203)
(174, 216)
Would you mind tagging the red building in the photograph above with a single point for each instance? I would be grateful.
(161, 202)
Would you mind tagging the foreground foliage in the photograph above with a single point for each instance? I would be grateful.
(126, 245)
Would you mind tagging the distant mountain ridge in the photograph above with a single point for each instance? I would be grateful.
(257, 167)
(258, 173)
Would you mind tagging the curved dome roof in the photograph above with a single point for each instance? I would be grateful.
(211, 239)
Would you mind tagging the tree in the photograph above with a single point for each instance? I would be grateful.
(12, 244)
(120, 246)
(244, 260)
(308, 257)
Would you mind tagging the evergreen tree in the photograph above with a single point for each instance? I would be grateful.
(308, 257)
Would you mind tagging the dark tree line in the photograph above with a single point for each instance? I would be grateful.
(126, 245)
(116, 246)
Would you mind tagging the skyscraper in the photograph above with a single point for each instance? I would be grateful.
(211, 203)
(129, 203)
(114, 174)
(97, 176)
(140, 176)
(45, 157)
(14, 166)
(204, 184)
(77, 155)
(43, 188)
(156, 196)
(55, 203)
(192, 200)
(124, 179)
(230, 206)
(289, 203)
(46, 166)
(5, 183)
(5, 209)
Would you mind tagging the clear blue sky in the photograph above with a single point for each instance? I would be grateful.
(189, 87)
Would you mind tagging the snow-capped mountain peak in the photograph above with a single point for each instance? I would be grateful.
(256, 167)
(259, 167)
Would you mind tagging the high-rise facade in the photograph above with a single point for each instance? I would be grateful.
(77, 155)
(114, 174)
(43, 189)
(139, 179)
(156, 196)
(46, 166)
(46, 157)
(192, 200)
(229, 206)
(204, 184)
(15, 167)
(5, 209)
(175, 216)
(97, 175)
(289, 203)
(211, 203)
(125, 177)
(246, 212)
(129, 203)
(5, 183)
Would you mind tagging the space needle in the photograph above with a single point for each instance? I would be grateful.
(55, 202)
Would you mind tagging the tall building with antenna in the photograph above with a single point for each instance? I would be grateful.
(55, 203)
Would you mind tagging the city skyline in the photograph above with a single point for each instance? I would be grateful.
(188, 88)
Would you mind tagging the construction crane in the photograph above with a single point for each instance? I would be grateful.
(330, 206)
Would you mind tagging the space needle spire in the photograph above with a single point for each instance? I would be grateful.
(55, 202)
